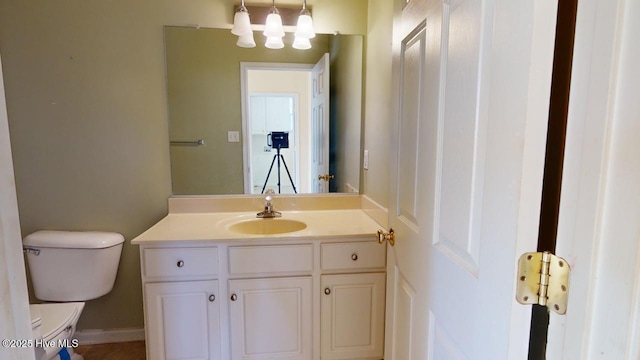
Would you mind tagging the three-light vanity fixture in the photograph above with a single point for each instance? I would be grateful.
(273, 29)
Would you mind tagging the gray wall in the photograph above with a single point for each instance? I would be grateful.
(87, 108)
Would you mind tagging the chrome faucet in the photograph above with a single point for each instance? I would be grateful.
(268, 207)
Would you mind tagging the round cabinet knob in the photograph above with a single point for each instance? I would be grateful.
(212, 298)
(327, 291)
(354, 257)
(180, 263)
(234, 297)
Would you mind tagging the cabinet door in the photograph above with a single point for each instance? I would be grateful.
(271, 113)
(257, 114)
(279, 112)
(271, 318)
(352, 316)
(182, 320)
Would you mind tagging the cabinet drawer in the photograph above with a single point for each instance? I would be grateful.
(181, 262)
(270, 259)
(355, 255)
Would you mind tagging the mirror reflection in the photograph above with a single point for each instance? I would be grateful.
(225, 101)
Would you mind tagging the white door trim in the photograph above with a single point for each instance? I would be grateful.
(599, 223)
(244, 92)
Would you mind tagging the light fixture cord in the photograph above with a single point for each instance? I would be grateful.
(274, 9)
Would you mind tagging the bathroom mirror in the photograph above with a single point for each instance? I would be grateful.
(206, 107)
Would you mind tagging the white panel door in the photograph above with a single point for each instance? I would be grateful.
(320, 124)
(183, 320)
(471, 83)
(271, 318)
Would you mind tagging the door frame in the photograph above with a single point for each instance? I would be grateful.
(14, 308)
(593, 235)
(245, 67)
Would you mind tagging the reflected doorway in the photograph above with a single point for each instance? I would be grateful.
(273, 120)
(291, 98)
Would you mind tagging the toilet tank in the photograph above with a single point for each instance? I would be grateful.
(72, 265)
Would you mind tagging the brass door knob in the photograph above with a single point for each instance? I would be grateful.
(387, 236)
(326, 177)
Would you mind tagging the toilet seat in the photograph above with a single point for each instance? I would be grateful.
(58, 322)
(57, 317)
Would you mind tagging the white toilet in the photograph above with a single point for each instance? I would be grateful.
(67, 268)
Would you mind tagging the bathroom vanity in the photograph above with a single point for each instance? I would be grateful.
(225, 285)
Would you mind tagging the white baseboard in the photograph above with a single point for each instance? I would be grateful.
(91, 337)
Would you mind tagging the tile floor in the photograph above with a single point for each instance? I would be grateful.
(133, 350)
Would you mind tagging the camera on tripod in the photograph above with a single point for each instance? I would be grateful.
(279, 139)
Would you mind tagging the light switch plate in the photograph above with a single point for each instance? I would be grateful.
(365, 161)
(233, 136)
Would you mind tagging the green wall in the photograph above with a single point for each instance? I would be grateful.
(347, 66)
(377, 113)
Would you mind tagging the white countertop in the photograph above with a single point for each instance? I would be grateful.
(213, 226)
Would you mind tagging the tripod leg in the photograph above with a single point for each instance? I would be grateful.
(279, 156)
(269, 173)
(288, 173)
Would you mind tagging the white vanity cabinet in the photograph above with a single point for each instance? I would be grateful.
(271, 318)
(270, 312)
(181, 303)
(258, 299)
(352, 301)
(352, 321)
(183, 320)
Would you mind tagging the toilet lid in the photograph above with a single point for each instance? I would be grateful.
(56, 317)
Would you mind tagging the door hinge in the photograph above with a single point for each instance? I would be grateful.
(543, 279)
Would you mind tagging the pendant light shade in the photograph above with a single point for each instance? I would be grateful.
(304, 27)
(242, 28)
(241, 22)
(273, 27)
(274, 42)
(301, 43)
(246, 41)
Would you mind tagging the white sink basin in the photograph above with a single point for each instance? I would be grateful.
(267, 226)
